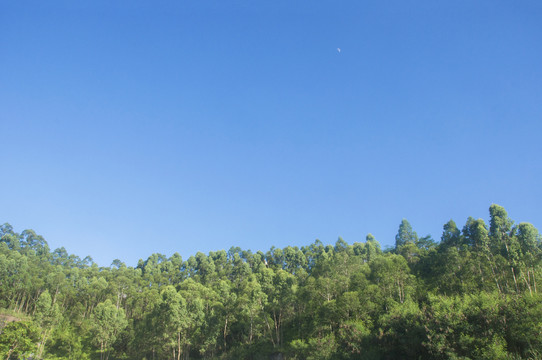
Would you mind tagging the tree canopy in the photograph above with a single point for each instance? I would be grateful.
(473, 295)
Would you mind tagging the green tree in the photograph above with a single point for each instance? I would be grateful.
(108, 321)
(405, 234)
(392, 276)
(47, 315)
(67, 343)
(503, 243)
(451, 236)
(172, 319)
(402, 331)
(529, 242)
(18, 339)
(476, 236)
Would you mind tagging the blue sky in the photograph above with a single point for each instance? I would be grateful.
(134, 127)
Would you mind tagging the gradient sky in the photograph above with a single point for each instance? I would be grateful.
(134, 127)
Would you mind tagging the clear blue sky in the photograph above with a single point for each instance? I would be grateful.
(134, 127)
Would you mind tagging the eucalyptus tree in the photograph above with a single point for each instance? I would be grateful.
(197, 298)
(9, 237)
(254, 306)
(405, 234)
(281, 303)
(34, 243)
(47, 315)
(227, 307)
(529, 242)
(392, 276)
(451, 236)
(171, 314)
(476, 236)
(107, 322)
(504, 243)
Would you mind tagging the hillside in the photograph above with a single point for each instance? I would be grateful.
(472, 295)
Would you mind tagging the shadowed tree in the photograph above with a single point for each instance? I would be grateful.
(172, 320)
(107, 322)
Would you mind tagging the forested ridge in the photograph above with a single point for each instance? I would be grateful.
(472, 295)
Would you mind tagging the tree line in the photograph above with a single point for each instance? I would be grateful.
(472, 295)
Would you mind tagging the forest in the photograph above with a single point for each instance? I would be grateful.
(471, 295)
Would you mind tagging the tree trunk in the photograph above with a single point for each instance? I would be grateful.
(41, 346)
(278, 321)
(179, 346)
(515, 280)
(534, 282)
(527, 282)
(494, 274)
(251, 322)
(270, 330)
(225, 330)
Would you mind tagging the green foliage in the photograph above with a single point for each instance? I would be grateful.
(474, 295)
(317, 348)
(66, 343)
(405, 234)
(18, 339)
(354, 340)
(107, 322)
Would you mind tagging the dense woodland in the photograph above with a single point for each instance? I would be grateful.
(472, 295)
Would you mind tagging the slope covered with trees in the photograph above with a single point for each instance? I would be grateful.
(473, 295)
